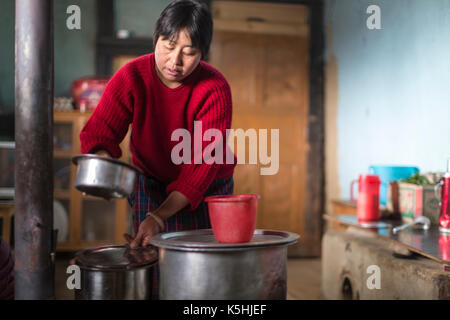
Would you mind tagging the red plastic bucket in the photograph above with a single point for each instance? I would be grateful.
(233, 217)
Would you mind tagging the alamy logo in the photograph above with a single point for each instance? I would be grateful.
(74, 20)
(213, 152)
(374, 20)
(74, 280)
(374, 280)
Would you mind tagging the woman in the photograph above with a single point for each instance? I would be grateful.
(157, 94)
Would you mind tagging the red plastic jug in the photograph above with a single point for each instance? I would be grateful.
(444, 246)
(367, 203)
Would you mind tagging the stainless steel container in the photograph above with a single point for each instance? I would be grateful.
(104, 177)
(115, 273)
(193, 265)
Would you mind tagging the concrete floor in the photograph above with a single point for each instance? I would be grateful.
(303, 278)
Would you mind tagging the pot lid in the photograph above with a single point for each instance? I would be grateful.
(116, 257)
(204, 240)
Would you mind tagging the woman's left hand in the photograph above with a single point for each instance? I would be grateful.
(147, 229)
(150, 227)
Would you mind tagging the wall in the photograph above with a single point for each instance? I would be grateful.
(74, 49)
(138, 16)
(6, 55)
(388, 88)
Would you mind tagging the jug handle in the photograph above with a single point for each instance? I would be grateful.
(352, 199)
(436, 188)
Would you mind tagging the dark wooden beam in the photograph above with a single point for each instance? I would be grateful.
(105, 29)
(105, 18)
(315, 180)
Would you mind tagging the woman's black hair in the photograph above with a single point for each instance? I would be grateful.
(190, 14)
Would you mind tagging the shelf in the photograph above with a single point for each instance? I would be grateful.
(88, 197)
(61, 194)
(72, 199)
(69, 115)
(61, 153)
(115, 46)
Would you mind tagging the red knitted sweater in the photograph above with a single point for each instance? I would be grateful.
(135, 95)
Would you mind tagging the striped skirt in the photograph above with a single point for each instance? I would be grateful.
(149, 194)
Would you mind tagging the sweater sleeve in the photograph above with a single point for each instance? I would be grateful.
(109, 122)
(195, 178)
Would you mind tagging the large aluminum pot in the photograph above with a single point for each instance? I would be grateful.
(115, 273)
(193, 265)
(104, 177)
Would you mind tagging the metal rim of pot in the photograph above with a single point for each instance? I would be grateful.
(81, 259)
(77, 158)
(165, 240)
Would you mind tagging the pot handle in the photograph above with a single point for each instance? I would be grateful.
(436, 188)
(352, 199)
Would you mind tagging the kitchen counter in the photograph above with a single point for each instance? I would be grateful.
(360, 262)
(429, 243)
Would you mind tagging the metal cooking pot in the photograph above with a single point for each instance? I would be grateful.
(104, 177)
(193, 265)
(115, 273)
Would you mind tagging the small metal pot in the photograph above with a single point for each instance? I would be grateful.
(104, 177)
(115, 273)
(193, 265)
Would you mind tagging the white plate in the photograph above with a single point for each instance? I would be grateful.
(60, 221)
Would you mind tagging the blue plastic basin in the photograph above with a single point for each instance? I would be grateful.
(390, 173)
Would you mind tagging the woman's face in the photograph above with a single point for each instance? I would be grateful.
(176, 59)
